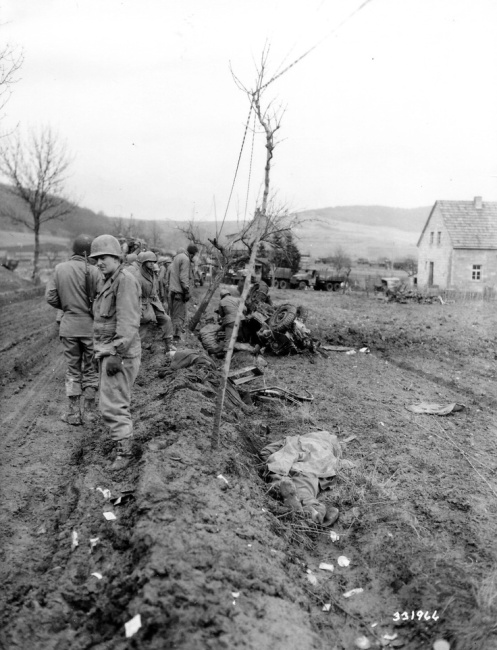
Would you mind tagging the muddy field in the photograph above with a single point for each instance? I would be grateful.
(210, 564)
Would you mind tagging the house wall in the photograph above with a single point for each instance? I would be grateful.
(462, 267)
(438, 253)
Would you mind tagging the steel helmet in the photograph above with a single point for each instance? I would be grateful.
(192, 250)
(82, 245)
(105, 245)
(147, 256)
(224, 292)
(161, 259)
(131, 257)
(170, 254)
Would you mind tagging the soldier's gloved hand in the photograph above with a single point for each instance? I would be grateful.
(114, 365)
(186, 296)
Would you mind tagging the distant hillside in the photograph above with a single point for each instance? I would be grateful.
(363, 231)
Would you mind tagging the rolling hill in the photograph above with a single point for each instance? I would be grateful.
(363, 231)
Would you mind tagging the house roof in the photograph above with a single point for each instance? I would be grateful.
(467, 225)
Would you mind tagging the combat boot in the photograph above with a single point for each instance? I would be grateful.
(123, 458)
(73, 415)
(90, 410)
(288, 493)
(168, 344)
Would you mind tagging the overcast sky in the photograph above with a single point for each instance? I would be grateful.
(397, 107)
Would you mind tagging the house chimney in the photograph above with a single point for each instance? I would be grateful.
(478, 204)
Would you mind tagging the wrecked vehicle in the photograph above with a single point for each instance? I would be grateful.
(279, 329)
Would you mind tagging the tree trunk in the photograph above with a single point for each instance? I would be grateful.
(36, 256)
(205, 301)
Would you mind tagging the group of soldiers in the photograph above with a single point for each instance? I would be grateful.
(109, 304)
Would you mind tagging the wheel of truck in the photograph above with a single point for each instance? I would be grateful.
(283, 284)
(283, 317)
(302, 285)
(329, 286)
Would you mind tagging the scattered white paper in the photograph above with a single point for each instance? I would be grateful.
(326, 607)
(110, 516)
(366, 350)
(390, 637)
(351, 352)
(132, 626)
(74, 539)
(118, 501)
(105, 492)
(343, 561)
(311, 577)
(362, 642)
(382, 424)
(93, 542)
(334, 536)
(235, 594)
(326, 567)
(350, 593)
(97, 575)
(223, 478)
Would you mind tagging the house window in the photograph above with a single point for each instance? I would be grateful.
(476, 272)
(431, 238)
(439, 238)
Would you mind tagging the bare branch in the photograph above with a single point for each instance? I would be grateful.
(36, 166)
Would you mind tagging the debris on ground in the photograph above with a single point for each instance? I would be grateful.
(435, 409)
(324, 566)
(132, 626)
(353, 592)
(343, 561)
(277, 393)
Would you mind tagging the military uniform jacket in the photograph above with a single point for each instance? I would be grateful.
(150, 300)
(180, 279)
(117, 313)
(228, 308)
(67, 291)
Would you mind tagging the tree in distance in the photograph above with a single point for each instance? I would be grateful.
(340, 260)
(35, 167)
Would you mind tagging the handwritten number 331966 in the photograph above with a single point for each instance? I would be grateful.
(420, 615)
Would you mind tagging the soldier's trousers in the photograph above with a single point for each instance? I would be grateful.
(115, 397)
(81, 374)
(178, 313)
(163, 321)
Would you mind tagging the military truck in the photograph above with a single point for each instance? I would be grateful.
(318, 279)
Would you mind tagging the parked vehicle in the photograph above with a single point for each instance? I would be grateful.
(388, 286)
(282, 277)
(318, 279)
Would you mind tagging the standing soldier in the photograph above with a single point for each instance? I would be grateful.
(152, 309)
(117, 311)
(72, 290)
(180, 281)
(165, 264)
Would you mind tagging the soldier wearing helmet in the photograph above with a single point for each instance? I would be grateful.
(72, 290)
(152, 309)
(163, 280)
(117, 312)
(180, 284)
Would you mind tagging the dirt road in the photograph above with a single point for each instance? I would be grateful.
(210, 564)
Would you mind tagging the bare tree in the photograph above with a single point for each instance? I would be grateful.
(36, 167)
(10, 63)
(154, 234)
(340, 260)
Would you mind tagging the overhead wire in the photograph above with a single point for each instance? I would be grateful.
(274, 78)
(250, 171)
(236, 171)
